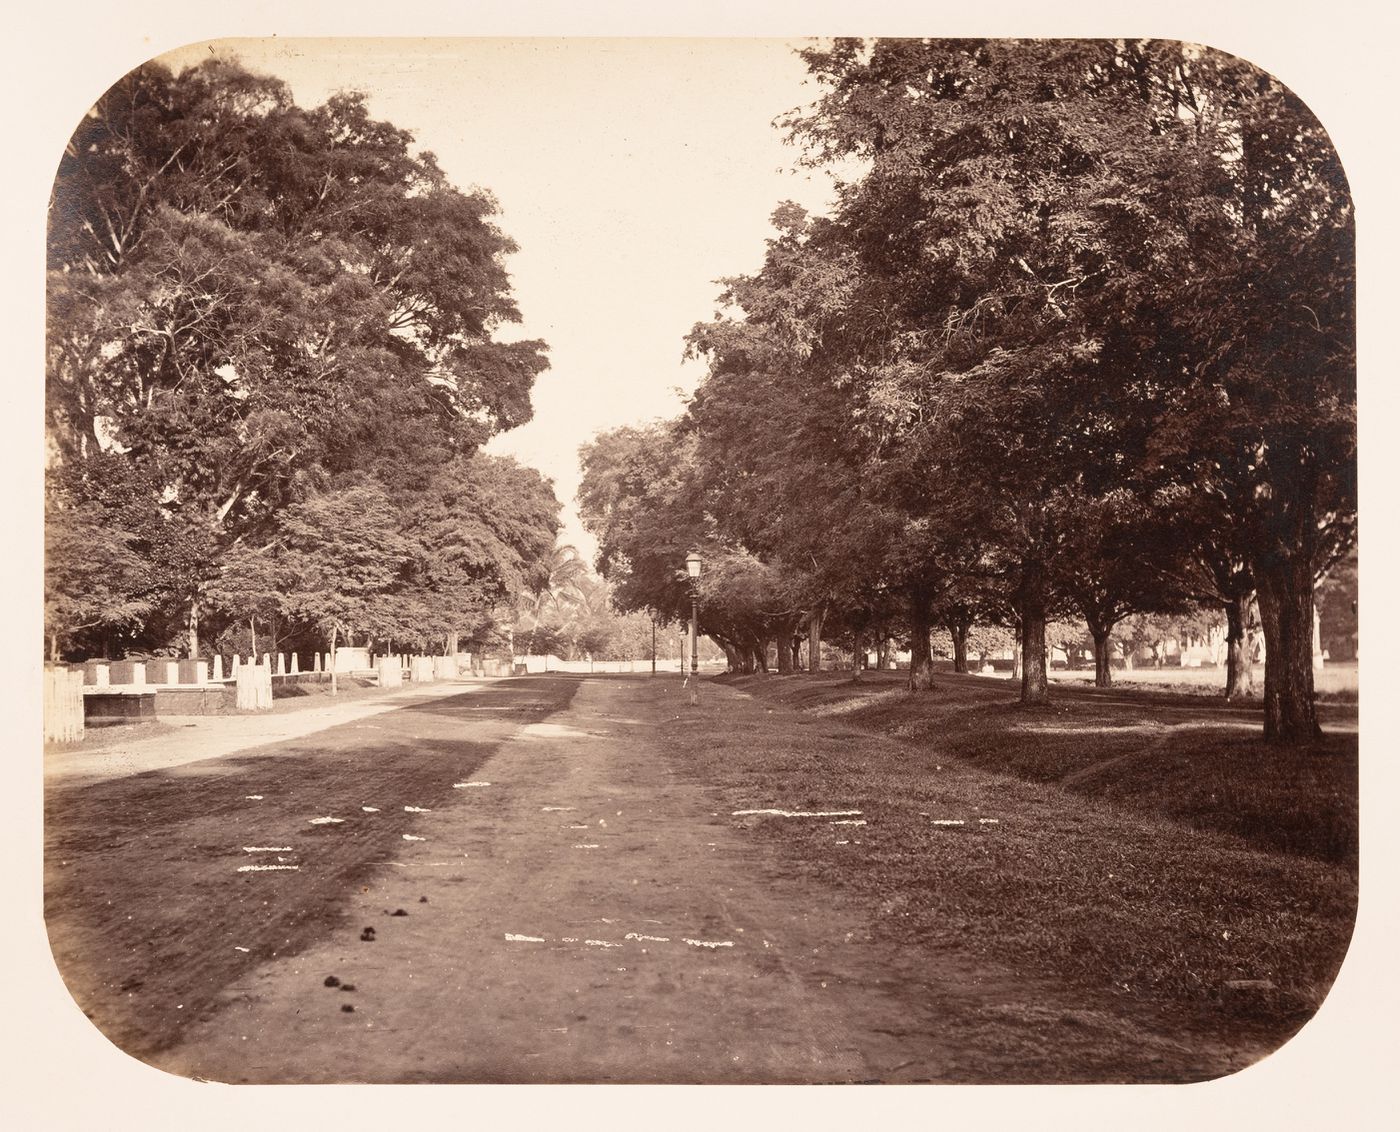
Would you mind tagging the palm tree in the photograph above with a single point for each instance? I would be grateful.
(566, 570)
(557, 596)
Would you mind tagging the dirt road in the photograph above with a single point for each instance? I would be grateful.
(516, 886)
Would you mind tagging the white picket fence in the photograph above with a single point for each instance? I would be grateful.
(252, 680)
(63, 705)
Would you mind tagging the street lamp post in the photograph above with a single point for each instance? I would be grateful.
(692, 568)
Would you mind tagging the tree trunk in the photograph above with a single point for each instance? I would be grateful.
(193, 628)
(335, 688)
(1103, 670)
(736, 651)
(882, 654)
(784, 648)
(253, 633)
(814, 643)
(796, 653)
(758, 648)
(451, 644)
(857, 654)
(920, 656)
(1286, 614)
(959, 634)
(1239, 664)
(1035, 681)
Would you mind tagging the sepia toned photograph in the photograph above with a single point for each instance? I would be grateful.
(700, 561)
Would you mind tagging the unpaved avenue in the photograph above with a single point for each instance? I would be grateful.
(548, 937)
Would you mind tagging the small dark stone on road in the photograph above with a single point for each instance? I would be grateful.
(398, 912)
(347, 986)
(347, 1008)
(422, 900)
(367, 935)
(332, 981)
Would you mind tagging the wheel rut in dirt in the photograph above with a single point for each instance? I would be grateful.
(163, 888)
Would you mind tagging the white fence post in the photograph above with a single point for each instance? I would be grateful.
(63, 705)
(253, 688)
(390, 673)
(245, 695)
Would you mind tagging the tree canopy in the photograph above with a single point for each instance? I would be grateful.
(259, 310)
(1077, 336)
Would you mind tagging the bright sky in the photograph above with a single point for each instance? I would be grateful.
(632, 173)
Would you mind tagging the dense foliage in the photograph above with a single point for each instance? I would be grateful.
(1078, 341)
(273, 353)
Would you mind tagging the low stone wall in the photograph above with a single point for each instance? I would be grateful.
(121, 691)
(291, 679)
(212, 699)
(118, 707)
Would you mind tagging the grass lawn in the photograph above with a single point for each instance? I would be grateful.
(1144, 847)
(1338, 682)
(1199, 762)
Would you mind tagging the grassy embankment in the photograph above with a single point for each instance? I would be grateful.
(1144, 846)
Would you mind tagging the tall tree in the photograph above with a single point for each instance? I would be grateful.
(249, 299)
(1266, 415)
(1010, 205)
(1097, 252)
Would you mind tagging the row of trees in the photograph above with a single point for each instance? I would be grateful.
(1078, 341)
(273, 355)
